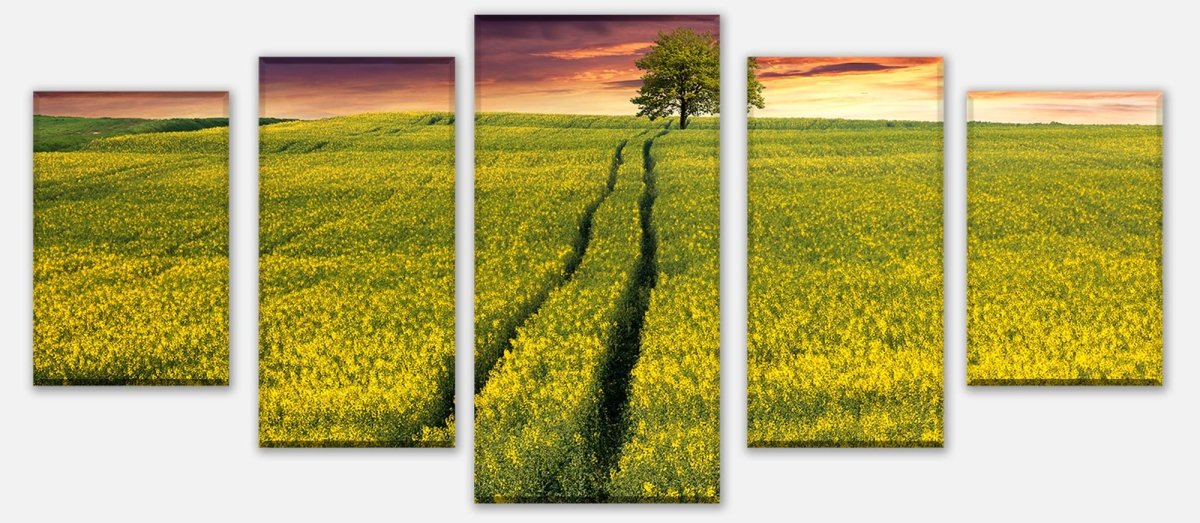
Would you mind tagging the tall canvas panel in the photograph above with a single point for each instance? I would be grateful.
(596, 259)
(1064, 238)
(130, 238)
(845, 252)
(356, 252)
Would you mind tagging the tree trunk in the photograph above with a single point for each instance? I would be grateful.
(683, 115)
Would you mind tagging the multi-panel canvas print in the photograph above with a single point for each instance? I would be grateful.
(130, 238)
(1064, 238)
(596, 259)
(845, 252)
(356, 252)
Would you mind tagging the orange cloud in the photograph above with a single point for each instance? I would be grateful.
(1065, 95)
(602, 75)
(1071, 107)
(775, 67)
(861, 88)
(583, 53)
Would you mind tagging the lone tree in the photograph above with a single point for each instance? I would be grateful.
(683, 76)
(754, 88)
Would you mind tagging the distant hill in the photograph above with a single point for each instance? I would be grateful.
(590, 121)
(804, 124)
(71, 133)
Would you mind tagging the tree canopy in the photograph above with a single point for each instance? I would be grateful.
(682, 76)
(754, 88)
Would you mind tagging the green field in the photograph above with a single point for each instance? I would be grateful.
(356, 301)
(71, 133)
(845, 283)
(596, 309)
(1064, 254)
(130, 253)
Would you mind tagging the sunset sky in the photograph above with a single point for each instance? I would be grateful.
(860, 88)
(132, 104)
(311, 88)
(567, 64)
(1073, 107)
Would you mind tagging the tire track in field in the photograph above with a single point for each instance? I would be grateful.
(626, 344)
(579, 250)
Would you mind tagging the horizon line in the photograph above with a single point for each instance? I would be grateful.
(843, 118)
(1093, 124)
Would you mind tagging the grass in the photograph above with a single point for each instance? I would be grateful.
(1064, 254)
(71, 133)
(356, 306)
(845, 283)
(131, 260)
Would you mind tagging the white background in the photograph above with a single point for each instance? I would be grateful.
(143, 454)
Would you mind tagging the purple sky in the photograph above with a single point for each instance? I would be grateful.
(310, 88)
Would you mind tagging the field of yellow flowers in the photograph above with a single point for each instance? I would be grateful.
(845, 283)
(596, 291)
(130, 260)
(1064, 254)
(356, 266)
(673, 448)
